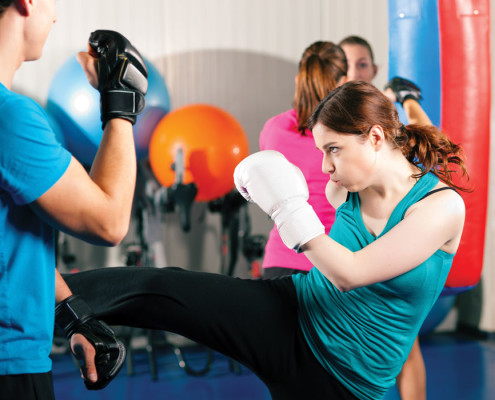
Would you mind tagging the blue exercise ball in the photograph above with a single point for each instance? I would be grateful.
(157, 106)
(75, 105)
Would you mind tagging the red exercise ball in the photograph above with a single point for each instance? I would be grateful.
(212, 142)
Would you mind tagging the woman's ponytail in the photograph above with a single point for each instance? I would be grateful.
(431, 150)
(322, 66)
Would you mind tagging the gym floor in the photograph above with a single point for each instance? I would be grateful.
(458, 368)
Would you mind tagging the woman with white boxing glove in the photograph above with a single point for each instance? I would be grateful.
(343, 330)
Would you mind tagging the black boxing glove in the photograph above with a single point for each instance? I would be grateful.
(122, 76)
(404, 89)
(73, 315)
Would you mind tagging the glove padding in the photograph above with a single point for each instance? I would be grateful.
(122, 76)
(73, 315)
(404, 89)
(279, 188)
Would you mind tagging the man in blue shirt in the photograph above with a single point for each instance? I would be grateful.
(42, 188)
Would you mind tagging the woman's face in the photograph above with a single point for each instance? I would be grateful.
(360, 67)
(349, 159)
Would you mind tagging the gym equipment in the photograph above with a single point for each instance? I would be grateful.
(444, 47)
(209, 141)
(151, 200)
(75, 105)
(424, 39)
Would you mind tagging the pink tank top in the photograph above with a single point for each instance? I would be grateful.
(280, 133)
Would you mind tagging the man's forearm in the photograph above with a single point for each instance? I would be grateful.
(62, 291)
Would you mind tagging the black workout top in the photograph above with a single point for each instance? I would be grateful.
(425, 196)
(437, 190)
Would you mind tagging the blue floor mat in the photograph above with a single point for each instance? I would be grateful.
(457, 369)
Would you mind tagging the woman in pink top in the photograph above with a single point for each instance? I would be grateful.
(323, 67)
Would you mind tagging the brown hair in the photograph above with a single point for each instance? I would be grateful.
(356, 106)
(322, 65)
(359, 41)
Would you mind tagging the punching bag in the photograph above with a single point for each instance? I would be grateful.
(444, 47)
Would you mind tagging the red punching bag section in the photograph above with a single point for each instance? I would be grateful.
(465, 116)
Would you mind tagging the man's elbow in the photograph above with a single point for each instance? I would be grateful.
(113, 234)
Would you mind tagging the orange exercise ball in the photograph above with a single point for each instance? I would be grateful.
(212, 143)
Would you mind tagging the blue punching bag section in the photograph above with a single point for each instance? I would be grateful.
(414, 49)
(74, 106)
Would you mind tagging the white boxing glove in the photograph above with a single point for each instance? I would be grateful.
(278, 187)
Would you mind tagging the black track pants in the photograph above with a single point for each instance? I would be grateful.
(251, 321)
(27, 387)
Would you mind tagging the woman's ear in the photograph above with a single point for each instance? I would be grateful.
(376, 137)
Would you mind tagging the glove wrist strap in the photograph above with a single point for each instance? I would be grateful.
(297, 224)
(70, 313)
(121, 102)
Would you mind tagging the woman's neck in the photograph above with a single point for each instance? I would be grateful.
(393, 177)
(378, 201)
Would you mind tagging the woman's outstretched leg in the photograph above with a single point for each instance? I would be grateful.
(252, 321)
(224, 313)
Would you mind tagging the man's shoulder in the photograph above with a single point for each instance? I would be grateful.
(16, 108)
(14, 100)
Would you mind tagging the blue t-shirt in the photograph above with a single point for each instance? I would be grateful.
(364, 336)
(31, 161)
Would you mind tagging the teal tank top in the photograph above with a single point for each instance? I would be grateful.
(364, 336)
